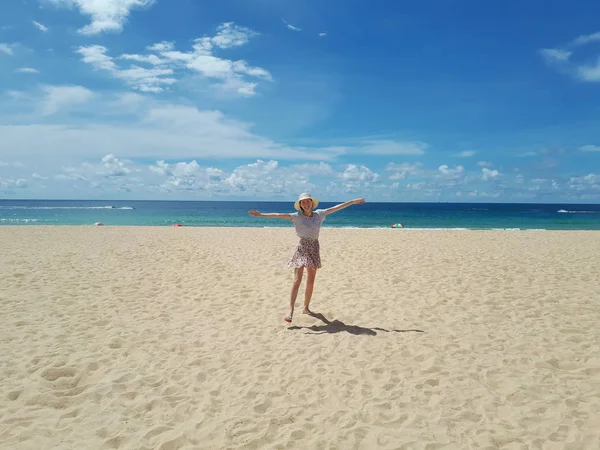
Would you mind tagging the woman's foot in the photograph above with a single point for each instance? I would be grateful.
(288, 318)
(308, 311)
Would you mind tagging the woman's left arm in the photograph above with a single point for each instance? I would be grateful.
(358, 201)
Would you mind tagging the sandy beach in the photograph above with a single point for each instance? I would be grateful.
(173, 338)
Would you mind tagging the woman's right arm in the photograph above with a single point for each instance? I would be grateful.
(255, 213)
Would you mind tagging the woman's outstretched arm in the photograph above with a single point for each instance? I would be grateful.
(358, 201)
(255, 213)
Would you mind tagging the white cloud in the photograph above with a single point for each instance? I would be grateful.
(110, 174)
(106, 15)
(96, 55)
(487, 174)
(586, 39)
(290, 26)
(121, 133)
(161, 47)
(322, 34)
(127, 103)
(389, 147)
(143, 128)
(253, 175)
(402, 171)
(590, 148)
(231, 76)
(109, 167)
(229, 35)
(562, 59)
(175, 170)
(270, 179)
(587, 182)
(6, 49)
(589, 72)
(11, 164)
(71, 173)
(9, 184)
(477, 193)
(553, 55)
(40, 27)
(466, 154)
(27, 70)
(354, 179)
(201, 59)
(187, 176)
(446, 177)
(355, 174)
(415, 186)
(147, 59)
(445, 170)
(313, 169)
(113, 167)
(257, 178)
(484, 164)
(145, 80)
(61, 97)
(543, 185)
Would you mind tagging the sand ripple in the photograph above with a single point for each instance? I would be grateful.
(160, 338)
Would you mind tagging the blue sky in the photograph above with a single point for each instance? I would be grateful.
(236, 99)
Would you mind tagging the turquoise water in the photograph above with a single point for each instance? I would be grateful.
(235, 214)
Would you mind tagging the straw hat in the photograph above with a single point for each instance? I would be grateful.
(304, 196)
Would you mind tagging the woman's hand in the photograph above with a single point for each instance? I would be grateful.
(358, 201)
(254, 213)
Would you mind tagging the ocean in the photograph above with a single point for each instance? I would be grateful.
(514, 216)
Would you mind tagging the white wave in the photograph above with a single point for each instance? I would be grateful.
(474, 229)
(65, 207)
(19, 220)
(564, 211)
(351, 227)
(433, 229)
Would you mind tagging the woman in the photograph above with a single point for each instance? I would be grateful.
(308, 223)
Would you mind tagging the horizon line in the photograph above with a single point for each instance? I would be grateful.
(291, 200)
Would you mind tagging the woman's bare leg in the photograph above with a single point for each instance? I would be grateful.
(310, 284)
(296, 286)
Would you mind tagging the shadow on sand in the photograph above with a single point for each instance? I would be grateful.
(337, 326)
